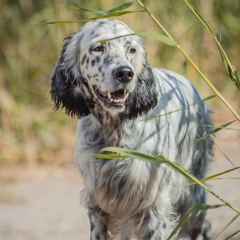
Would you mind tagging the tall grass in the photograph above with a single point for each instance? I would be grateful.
(29, 51)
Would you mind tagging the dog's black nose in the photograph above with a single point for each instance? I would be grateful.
(123, 74)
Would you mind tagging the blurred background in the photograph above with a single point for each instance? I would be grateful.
(33, 136)
(31, 132)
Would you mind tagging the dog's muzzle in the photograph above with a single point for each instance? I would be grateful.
(114, 100)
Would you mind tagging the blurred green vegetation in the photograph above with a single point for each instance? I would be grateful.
(31, 132)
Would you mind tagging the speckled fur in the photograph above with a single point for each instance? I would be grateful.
(131, 199)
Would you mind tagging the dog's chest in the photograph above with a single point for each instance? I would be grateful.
(123, 187)
(117, 187)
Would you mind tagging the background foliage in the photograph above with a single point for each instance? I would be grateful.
(31, 132)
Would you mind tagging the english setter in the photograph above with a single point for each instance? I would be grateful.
(104, 79)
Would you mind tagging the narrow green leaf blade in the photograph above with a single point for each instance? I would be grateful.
(108, 156)
(106, 12)
(177, 110)
(158, 37)
(65, 22)
(219, 37)
(122, 6)
(231, 70)
(234, 218)
(215, 131)
(97, 12)
(134, 154)
(116, 14)
(232, 235)
(183, 220)
(158, 159)
(199, 17)
(162, 159)
(212, 177)
(219, 174)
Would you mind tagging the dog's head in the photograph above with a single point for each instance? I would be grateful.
(102, 68)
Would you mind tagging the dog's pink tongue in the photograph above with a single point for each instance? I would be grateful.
(118, 94)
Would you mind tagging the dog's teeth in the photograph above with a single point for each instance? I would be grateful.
(109, 95)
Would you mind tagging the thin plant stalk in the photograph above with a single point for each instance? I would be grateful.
(191, 62)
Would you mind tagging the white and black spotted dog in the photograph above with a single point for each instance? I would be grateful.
(112, 89)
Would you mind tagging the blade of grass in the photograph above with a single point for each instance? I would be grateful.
(106, 12)
(155, 36)
(162, 159)
(115, 14)
(235, 217)
(229, 178)
(128, 153)
(231, 162)
(232, 235)
(216, 175)
(180, 109)
(226, 128)
(108, 156)
(199, 17)
(215, 130)
(64, 22)
(208, 82)
(231, 70)
(159, 37)
(195, 209)
(96, 12)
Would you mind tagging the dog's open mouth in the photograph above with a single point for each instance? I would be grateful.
(115, 99)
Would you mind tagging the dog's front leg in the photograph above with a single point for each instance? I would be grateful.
(98, 228)
(153, 228)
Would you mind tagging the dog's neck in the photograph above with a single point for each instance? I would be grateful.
(112, 128)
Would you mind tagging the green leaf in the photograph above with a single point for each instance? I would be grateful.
(123, 6)
(226, 128)
(199, 17)
(216, 175)
(65, 22)
(159, 37)
(97, 12)
(232, 235)
(231, 70)
(215, 130)
(115, 14)
(106, 12)
(120, 36)
(135, 155)
(235, 217)
(159, 159)
(155, 36)
(108, 156)
(180, 109)
(219, 174)
(219, 37)
(231, 162)
(195, 209)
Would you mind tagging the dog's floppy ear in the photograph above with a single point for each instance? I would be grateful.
(144, 97)
(68, 89)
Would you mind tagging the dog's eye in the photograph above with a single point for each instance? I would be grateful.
(99, 48)
(132, 50)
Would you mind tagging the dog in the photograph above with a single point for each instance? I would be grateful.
(104, 79)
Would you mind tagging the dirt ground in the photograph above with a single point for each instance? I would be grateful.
(43, 203)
